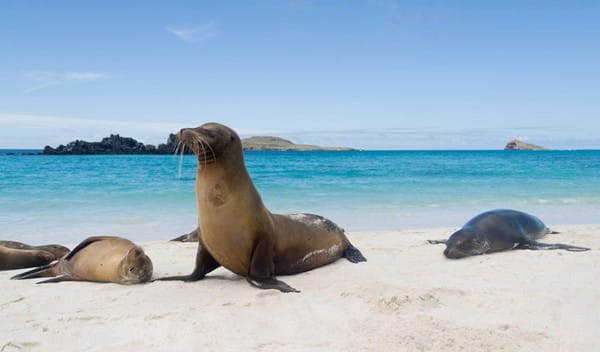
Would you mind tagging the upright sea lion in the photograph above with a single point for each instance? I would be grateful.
(238, 232)
(500, 230)
(99, 259)
(11, 258)
(56, 249)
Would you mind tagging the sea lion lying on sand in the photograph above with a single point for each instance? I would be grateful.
(500, 230)
(17, 255)
(99, 259)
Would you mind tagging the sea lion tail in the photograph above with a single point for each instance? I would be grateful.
(353, 254)
(42, 271)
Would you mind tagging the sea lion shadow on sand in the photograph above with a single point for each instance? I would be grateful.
(239, 233)
(500, 230)
(98, 259)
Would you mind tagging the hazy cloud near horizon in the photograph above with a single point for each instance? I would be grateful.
(35, 132)
(47, 78)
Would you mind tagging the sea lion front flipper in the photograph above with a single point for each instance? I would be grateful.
(262, 268)
(537, 245)
(270, 283)
(437, 241)
(205, 263)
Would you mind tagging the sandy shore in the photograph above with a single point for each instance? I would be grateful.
(406, 297)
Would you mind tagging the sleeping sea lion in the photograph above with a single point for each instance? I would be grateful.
(56, 249)
(99, 259)
(500, 230)
(11, 258)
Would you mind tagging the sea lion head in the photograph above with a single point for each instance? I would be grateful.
(57, 250)
(465, 243)
(211, 141)
(135, 267)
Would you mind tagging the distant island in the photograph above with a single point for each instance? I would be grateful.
(516, 144)
(276, 143)
(115, 144)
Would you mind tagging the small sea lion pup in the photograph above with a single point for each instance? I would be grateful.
(500, 230)
(238, 232)
(98, 259)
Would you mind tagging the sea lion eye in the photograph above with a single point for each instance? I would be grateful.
(131, 269)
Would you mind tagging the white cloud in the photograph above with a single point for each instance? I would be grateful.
(195, 34)
(46, 78)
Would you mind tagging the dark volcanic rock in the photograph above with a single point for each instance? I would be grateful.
(114, 144)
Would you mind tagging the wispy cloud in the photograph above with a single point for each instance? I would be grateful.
(194, 34)
(45, 78)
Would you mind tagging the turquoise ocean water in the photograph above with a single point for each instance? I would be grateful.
(143, 197)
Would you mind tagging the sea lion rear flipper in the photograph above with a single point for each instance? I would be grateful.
(42, 271)
(262, 268)
(205, 263)
(437, 241)
(353, 254)
(537, 245)
(188, 237)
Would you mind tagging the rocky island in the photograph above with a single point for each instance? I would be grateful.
(276, 143)
(516, 144)
(115, 144)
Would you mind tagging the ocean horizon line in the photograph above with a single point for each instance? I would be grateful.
(37, 151)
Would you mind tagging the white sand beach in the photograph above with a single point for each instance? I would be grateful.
(408, 296)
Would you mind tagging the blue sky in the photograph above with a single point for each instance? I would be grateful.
(373, 74)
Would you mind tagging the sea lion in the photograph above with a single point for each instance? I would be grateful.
(238, 232)
(11, 258)
(56, 249)
(500, 230)
(99, 259)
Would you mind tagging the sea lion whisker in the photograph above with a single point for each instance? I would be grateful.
(177, 148)
(205, 146)
(213, 156)
(180, 161)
